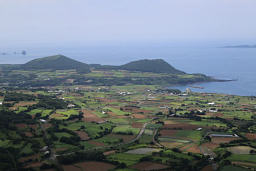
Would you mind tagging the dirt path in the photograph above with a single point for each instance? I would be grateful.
(154, 139)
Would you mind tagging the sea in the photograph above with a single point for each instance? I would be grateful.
(221, 63)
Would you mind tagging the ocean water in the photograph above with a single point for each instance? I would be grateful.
(222, 63)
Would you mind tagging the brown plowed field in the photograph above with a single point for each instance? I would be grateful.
(109, 152)
(126, 138)
(167, 132)
(138, 116)
(83, 135)
(89, 116)
(149, 166)
(251, 136)
(23, 103)
(22, 126)
(137, 125)
(218, 140)
(207, 168)
(28, 134)
(194, 149)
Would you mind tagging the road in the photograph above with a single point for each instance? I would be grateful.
(208, 152)
(53, 156)
(142, 130)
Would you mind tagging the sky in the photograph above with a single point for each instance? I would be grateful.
(107, 22)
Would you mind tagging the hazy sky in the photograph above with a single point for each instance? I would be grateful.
(103, 22)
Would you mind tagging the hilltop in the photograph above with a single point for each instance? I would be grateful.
(57, 62)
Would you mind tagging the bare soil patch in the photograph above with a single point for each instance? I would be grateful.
(100, 144)
(167, 132)
(210, 145)
(71, 168)
(83, 135)
(149, 166)
(56, 115)
(109, 152)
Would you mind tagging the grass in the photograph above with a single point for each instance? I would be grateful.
(46, 112)
(116, 111)
(92, 129)
(4, 143)
(119, 121)
(233, 168)
(178, 155)
(243, 158)
(62, 134)
(190, 134)
(109, 140)
(35, 111)
(128, 159)
(27, 149)
(126, 129)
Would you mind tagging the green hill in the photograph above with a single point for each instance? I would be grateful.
(58, 62)
(155, 65)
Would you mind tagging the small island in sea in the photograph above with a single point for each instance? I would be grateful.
(240, 46)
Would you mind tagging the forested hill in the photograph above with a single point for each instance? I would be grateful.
(155, 65)
(145, 65)
(58, 62)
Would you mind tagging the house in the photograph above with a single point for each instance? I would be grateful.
(71, 105)
(45, 148)
(43, 121)
(213, 110)
(212, 103)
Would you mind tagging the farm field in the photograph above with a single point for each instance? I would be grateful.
(124, 127)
